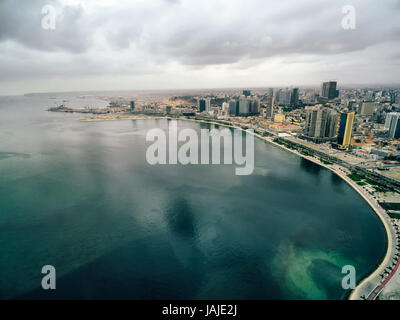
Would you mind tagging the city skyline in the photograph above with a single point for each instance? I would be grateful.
(165, 45)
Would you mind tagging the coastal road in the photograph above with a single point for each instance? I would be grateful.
(378, 289)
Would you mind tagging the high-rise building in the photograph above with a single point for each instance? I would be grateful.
(367, 108)
(233, 108)
(132, 104)
(345, 130)
(276, 95)
(388, 120)
(392, 97)
(321, 124)
(332, 124)
(283, 97)
(208, 105)
(394, 128)
(202, 105)
(294, 97)
(225, 106)
(328, 90)
(244, 106)
(255, 106)
(316, 121)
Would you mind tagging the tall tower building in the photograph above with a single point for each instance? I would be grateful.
(394, 129)
(392, 97)
(332, 124)
(388, 120)
(208, 105)
(202, 105)
(316, 122)
(277, 94)
(328, 90)
(233, 108)
(345, 130)
(255, 106)
(294, 97)
(284, 97)
(244, 106)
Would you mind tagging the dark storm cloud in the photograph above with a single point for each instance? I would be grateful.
(307, 27)
(22, 23)
(145, 36)
(200, 34)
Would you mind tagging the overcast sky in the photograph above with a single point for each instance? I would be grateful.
(166, 44)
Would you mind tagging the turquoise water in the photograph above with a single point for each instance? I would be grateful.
(81, 197)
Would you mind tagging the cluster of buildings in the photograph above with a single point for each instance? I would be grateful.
(365, 122)
(361, 121)
(244, 106)
(328, 125)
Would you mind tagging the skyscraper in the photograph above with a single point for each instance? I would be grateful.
(208, 105)
(394, 129)
(389, 119)
(294, 97)
(132, 103)
(345, 130)
(233, 107)
(255, 106)
(329, 90)
(244, 106)
(283, 97)
(316, 121)
(392, 97)
(202, 105)
(332, 124)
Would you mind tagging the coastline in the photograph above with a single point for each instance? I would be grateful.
(368, 281)
(339, 171)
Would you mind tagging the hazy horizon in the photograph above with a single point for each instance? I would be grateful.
(310, 87)
(182, 44)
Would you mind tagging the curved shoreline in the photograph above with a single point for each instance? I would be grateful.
(381, 213)
(338, 170)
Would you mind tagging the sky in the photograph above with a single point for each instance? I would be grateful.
(187, 44)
